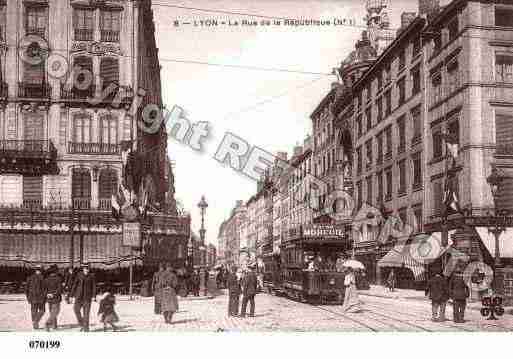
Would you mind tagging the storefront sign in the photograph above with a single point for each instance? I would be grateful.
(324, 232)
(132, 234)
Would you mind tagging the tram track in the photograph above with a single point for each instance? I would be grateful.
(388, 308)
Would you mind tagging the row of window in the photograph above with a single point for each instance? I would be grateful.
(36, 22)
(385, 181)
(30, 189)
(383, 104)
(384, 141)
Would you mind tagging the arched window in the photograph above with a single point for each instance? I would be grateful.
(108, 129)
(108, 184)
(81, 188)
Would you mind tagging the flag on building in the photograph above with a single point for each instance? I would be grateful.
(450, 199)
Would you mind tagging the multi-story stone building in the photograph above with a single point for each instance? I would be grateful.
(230, 236)
(70, 71)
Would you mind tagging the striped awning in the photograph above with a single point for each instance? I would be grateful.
(400, 257)
(505, 241)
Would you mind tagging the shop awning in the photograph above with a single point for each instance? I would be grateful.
(426, 248)
(505, 241)
(400, 257)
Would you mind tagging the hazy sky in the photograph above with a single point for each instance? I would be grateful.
(269, 109)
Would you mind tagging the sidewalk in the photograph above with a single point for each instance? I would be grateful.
(412, 294)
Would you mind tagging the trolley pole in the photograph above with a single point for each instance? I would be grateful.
(131, 275)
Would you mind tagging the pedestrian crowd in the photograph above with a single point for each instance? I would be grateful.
(53, 288)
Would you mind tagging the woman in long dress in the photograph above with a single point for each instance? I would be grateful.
(168, 283)
(351, 300)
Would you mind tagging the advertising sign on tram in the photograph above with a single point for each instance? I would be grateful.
(324, 232)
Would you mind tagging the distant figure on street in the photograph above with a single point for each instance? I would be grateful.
(36, 296)
(68, 283)
(351, 299)
(107, 312)
(156, 290)
(167, 284)
(84, 291)
(458, 292)
(53, 289)
(438, 291)
(249, 289)
(391, 281)
(211, 285)
(195, 283)
(233, 293)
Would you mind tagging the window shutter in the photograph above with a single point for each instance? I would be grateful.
(504, 130)
(108, 183)
(505, 197)
(32, 191)
(109, 71)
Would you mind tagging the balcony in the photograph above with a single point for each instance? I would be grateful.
(38, 31)
(505, 149)
(84, 35)
(105, 204)
(84, 148)
(109, 36)
(28, 157)
(75, 94)
(34, 90)
(81, 203)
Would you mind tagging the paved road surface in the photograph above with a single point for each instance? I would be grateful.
(272, 314)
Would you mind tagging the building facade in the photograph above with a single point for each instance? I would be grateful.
(70, 108)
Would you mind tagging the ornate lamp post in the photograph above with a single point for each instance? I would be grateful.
(494, 180)
(202, 205)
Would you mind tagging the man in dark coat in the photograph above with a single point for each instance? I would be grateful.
(156, 291)
(439, 294)
(459, 292)
(84, 291)
(53, 289)
(35, 291)
(249, 289)
(68, 283)
(167, 284)
(233, 293)
(195, 279)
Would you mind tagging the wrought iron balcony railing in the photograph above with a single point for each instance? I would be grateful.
(109, 36)
(28, 157)
(77, 94)
(81, 203)
(39, 31)
(105, 204)
(84, 34)
(93, 148)
(504, 149)
(34, 90)
(27, 148)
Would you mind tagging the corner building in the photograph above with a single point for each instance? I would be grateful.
(60, 151)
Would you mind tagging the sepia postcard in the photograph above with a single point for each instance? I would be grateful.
(278, 166)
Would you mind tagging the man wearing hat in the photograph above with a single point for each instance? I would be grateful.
(35, 292)
(233, 293)
(249, 289)
(53, 289)
(84, 291)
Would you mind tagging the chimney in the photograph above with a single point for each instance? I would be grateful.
(429, 8)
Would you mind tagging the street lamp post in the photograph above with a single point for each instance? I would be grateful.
(203, 207)
(494, 180)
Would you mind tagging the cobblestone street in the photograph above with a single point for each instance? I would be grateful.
(272, 314)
